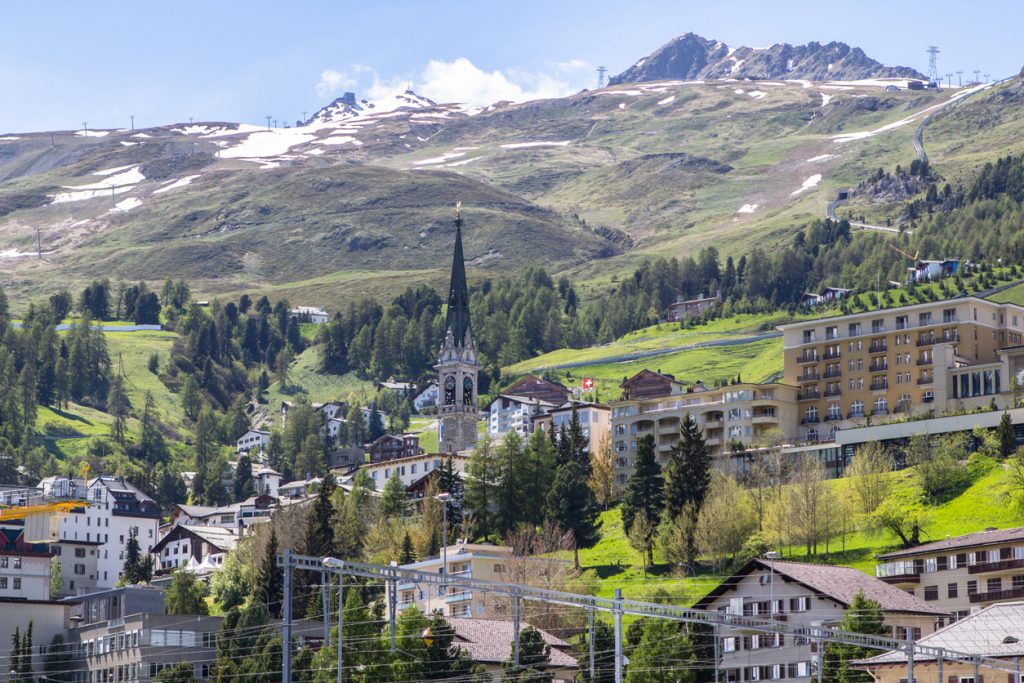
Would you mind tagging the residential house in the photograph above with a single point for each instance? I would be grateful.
(510, 413)
(401, 388)
(488, 643)
(927, 271)
(300, 488)
(803, 595)
(114, 511)
(691, 308)
(952, 355)
(48, 618)
(655, 403)
(191, 547)
(539, 388)
(411, 469)
(266, 480)
(427, 398)
(960, 575)
(392, 447)
(825, 296)
(995, 633)
(254, 439)
(312, 314)
(465, 560)
(24, 566)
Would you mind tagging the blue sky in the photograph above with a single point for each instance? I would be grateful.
(63, 63)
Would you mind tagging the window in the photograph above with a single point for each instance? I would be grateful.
(79, 552)
(3, 582)
(972, 587)
(931, 592)
(951, 591)
(1018, 582)
(995, 584)
(17, 583)
(80, 570)
(17, 563)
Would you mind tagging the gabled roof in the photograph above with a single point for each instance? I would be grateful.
(197, 511)
(983, 633)
(980, 538)
(489, 641)
(218, 537)
(838, 583)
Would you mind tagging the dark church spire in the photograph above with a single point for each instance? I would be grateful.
(458, 294)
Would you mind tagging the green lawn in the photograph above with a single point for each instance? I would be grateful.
(305, 379)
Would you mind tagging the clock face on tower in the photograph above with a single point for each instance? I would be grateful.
(449, 390)
(467, 391)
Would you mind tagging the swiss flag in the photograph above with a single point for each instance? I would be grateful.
(588, 383)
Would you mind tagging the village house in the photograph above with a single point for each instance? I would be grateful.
(254, 439)
(312, 314)
(411, 469)
(691, 308)
(533, 387)
(511, 413)
(595, 421)
(392, 447)
(427, 398)
(825, 296)
(489, 641)
(465, 560)
(199, 549)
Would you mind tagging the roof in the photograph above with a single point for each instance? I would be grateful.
(983, 633)
(457, 317)
(988, 537)
(525, 400)
(219, 537)
(838, 583)
(490, 641)
(408, 458)
(197, 510)
(896, 309)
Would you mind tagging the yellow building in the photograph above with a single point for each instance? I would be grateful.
(940, 356)
(655, 403)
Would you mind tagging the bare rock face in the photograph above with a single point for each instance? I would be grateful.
(691, 57)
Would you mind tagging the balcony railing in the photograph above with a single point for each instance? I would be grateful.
(914, 577)
(829, 393)
(926, 380)
(998, 566)
(878, 367)
(997, 596)
(807, 357)
(924, 361)
(925, 341)
(879, 386)
(809, 421)
(833, 374)
(809, 395)
(855, 415)
(879, 411)
(951, 337)
(831, 355)
(878, 347)
(810, 377)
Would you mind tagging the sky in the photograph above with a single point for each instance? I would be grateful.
(63, 63)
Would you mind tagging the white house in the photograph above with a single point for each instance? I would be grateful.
(426, 398)
(191, 546)
(315, 314)
(266, 480)
(24, 567)
(253, 439)
(412, 469)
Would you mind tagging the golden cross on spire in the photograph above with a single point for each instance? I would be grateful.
(458, 209)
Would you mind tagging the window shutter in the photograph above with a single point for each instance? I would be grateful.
(951, 679)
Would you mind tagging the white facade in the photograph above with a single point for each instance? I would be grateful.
(411, 470)
(426, 398)
(254, 439)
(114, 510)
(25, 576)
(513, 413)
(316, 314)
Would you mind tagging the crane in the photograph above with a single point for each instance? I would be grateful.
(29, 504)
(900, 251)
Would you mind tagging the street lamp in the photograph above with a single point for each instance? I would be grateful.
(692, 571)
(332, 563)
(444, 498)
(771, 556)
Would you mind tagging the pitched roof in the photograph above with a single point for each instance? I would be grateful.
(490, 641)
(838, 583)
(219, 537)
(989, 537)
(197, 511)
(983, 633)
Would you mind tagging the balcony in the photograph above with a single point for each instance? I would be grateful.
(879, 411)
(809, 377)
(809, 421)
(855, 415)
(878, 347)
(809, 395)
(999, 566)
(832, 417)
(878, 367)
(461, 596)
(925, 341)
(997, 596)
(831, 355)
(833, 374)
(879, 386)
(926, 380)
(924, 361)
(950, 337)
(764, 419)
(406, 585)
(829, 393)
(807, 357)
(914, 577)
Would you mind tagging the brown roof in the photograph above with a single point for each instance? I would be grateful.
(989, 537)
(838, 583)
(490, 641)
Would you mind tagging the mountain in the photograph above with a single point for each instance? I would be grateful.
(691, 57)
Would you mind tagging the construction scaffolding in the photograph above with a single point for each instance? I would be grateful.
(617, 607)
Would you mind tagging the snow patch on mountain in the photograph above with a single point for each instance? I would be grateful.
(809, 183)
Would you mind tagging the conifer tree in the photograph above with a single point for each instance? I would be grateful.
(571, 503)
(408, 556)
(645, 489)
(1006, 435)
(394, 501)
(269, 586)
(862, 616)
(687, 477)
(482, 477)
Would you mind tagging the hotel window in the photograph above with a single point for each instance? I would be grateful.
(972, 587)
(995, 584)
(951, 591)
(877, 326)
(854, 329)
(831, 333)
(931, 593)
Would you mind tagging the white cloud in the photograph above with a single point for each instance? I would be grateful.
(461, 81)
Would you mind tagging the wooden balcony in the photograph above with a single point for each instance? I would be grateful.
(998, 596)
(999, 566)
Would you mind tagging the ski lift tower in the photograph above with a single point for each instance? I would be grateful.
(933, 65)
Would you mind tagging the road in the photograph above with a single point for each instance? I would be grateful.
(626, 358)
(830, 211)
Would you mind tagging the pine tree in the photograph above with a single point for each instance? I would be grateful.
(662, 641)
(191, 398)
(571, 503)
(185, 595)
(645, 489)
(579, 445)
(394, 501)
(152, 447)
(408, 556)
(512, 478)
(356, 426)
(687, 477)
(136, 569)
(269, 586)
(243, 484)
(1006, 436)
(482, 477)
(376, 428)
(862, 616)
(450, 482)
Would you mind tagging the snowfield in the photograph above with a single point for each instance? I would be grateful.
(267, 143)
(821, 157)
(180, 182)
(809, 183)
(127, 204)
(439, 160)
(747, 208)
(92, 133)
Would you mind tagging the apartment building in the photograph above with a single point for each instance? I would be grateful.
(411, 470)
(803, 595)
(960, 575)
(465, 560)
(949, 355)
(595, 420)
(655, 403)
(993, 634)
(511, 413)
(24, 566)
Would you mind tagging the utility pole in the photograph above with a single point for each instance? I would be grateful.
(591, 625)
(341, 622)
(190, 119)
(618, 635)
(325, 587)
(949, 81)
(286, 644)
(977, 76)
(515, 627)
(392, 589)
(960, 79)
(933, 65)
(275, 123)
(85, 127)
(303, 118)
(268, 117)
(987, 77)
(132, 117)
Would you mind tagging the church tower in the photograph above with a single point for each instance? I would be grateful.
(457, 365)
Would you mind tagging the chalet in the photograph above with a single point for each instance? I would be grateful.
(690, 308)
(402, 388)
(825, 296)
(427, 398)
(392, 447)
(927, 271)
(534, 387)
(254, 439)
(190, 546)
(489, 641)
(650, 384)
(311, 314)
